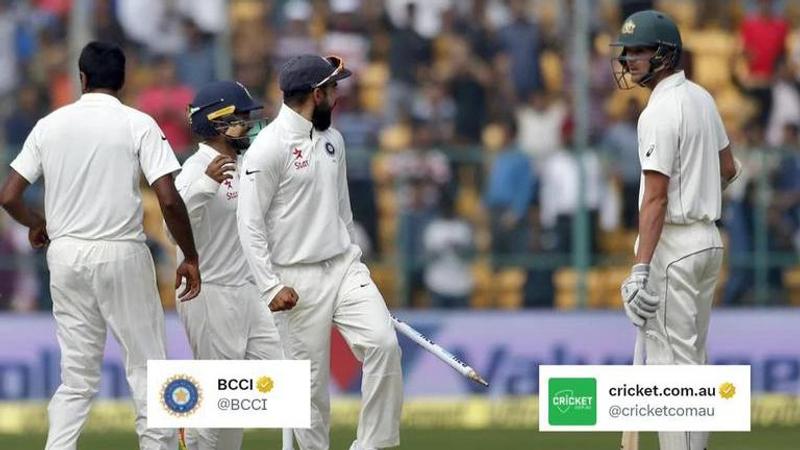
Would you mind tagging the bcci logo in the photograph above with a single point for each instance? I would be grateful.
(330, 150)
(181, 395)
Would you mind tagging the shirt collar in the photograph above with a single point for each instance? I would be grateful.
(98, 97)
(676, 79)
(294, 122)
(205, 149)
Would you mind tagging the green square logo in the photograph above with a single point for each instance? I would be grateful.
(572, 401)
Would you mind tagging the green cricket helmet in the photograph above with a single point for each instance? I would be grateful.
(650, 29)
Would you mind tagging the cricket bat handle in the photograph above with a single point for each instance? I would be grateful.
(630, 439)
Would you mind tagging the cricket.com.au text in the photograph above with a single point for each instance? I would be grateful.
(616, 411)
(638, 390)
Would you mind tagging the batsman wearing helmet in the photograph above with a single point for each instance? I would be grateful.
(686, 163)
(227, 320)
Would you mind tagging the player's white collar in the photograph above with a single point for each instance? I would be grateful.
(294, 122)
(205, 149)
(669, 82)
(99, 97)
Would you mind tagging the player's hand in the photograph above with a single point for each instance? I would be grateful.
(284, 300)
(190, 271)
(640, 305)
(220, 168)
(37, 234)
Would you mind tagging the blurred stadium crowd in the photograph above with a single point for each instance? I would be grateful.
(464, 178)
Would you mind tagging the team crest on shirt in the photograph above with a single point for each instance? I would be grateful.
(331, 151)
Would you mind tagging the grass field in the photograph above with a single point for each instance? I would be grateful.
(426, 439)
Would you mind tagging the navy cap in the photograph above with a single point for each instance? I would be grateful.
(306, 72)
(217, 100)
(219, 95)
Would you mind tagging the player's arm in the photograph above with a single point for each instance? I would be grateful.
(345, 210)
(729, 167)
(197, 186)
(651, 214)
(11, 201)
(158, 163)
(658, 147)
(257, 187)
(641, 304)
(177, 219)
(25, 170)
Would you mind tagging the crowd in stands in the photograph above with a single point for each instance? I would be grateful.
(465, 181)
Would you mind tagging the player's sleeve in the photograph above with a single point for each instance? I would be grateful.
(658, 141)
(720, 135)
(345, 210)
(195, 188)
(257, 186)
(156, 157)
(29, 161)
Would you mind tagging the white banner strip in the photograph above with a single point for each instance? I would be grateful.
(644, 398)
(228, 394)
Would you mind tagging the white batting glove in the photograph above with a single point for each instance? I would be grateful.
(738, 165)
(640, 304)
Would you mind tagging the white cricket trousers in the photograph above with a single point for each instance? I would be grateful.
(340, 291)
(99, 285)
(227, 322)
(683, 272)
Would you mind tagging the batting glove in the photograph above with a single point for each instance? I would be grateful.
(738, 165)
(640, 304)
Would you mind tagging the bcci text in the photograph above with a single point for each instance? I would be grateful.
(220, 394)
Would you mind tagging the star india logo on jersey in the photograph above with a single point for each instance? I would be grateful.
(299, 161)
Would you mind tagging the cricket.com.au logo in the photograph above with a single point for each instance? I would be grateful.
(181, 395)
(572, 401)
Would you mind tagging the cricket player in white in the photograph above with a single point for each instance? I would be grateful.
(686, 163)
(296, 227)
(228, 320)
(101, 272)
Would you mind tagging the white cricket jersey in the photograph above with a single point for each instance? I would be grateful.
(680, 135)
(212, 212)
(294, 207)
(91, 153)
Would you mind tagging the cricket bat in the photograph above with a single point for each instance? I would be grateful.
(630, 439)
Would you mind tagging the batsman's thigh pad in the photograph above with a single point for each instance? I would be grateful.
(683, 274)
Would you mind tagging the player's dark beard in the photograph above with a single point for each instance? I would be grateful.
(240, 145)
(321, 117)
